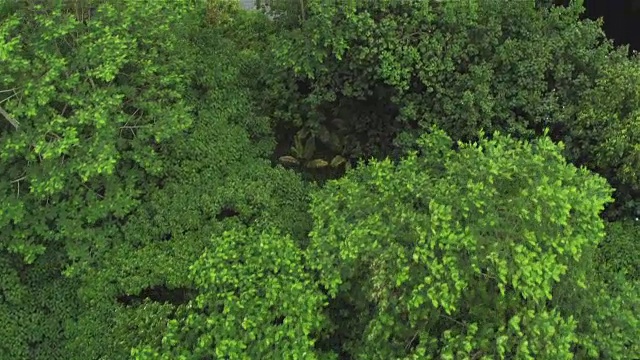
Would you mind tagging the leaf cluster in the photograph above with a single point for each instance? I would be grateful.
(457, 253)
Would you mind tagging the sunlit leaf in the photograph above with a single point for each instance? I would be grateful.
(337, 161)
(317, 163)
(287, 159)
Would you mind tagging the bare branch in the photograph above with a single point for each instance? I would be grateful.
(93, 191)
(18, 179)
(6, 115)
(9, 97)
(135, 126)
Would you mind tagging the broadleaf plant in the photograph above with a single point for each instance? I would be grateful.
(457, 253)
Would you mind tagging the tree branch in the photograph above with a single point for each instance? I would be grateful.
(6, 115)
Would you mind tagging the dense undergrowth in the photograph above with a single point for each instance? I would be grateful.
(350, 180)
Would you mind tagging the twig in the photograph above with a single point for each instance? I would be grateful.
(95, 192)
(411, 341)
(6, 115)
(135, 126)
(454, 320)
(53, 134)
(18, 179)
(9, 97)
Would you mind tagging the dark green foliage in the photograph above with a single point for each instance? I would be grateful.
(288, 14)
(462, 65)
(620, 251)
(606, 133)
(390, 68)
(609, 308)
(36, 305)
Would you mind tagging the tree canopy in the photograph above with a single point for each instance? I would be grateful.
(410, 179)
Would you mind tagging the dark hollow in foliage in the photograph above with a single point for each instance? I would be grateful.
(620, 20)
(278, 320)
(159, 293)
(226, 212)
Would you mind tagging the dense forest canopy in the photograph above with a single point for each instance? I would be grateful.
(185, 179)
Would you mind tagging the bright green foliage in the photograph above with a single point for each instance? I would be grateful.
(91, 99)
(86, 98)
(457, 253)
(169, 177)
(213, 180)
(255, 302)
(206, 181)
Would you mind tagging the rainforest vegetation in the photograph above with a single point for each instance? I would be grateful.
(389, 179)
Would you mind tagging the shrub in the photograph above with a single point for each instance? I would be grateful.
(256, 302)
(453, 254)
(388, 70)
(91, 98)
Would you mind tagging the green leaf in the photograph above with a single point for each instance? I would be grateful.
(298, 148)
(337, 161)
(289, 160)
(309, 148)
(339, 123)
(317, 163)
(302, 133)
(324, 135)
(335, 142)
